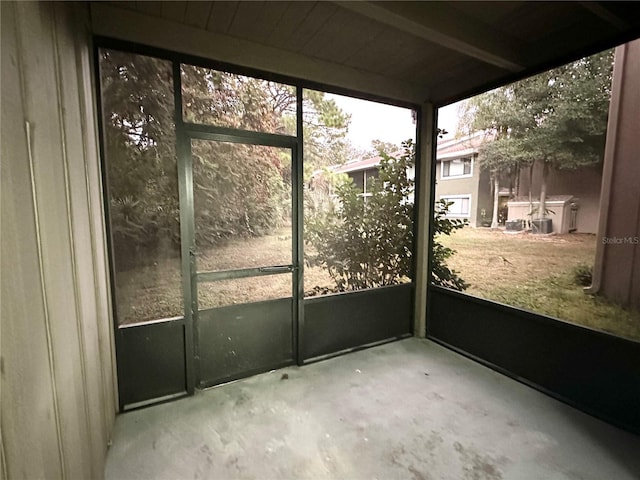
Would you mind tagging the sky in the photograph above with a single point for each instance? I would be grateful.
(366, 125)
(397, 124)
(448, 119)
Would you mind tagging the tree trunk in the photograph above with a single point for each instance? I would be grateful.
(530, 195)
(496, 198)
(543, 191)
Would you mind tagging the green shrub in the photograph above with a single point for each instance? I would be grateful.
(583, 274)
(441, 274)
(368, 242)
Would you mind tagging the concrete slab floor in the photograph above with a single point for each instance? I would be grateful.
(408, 409)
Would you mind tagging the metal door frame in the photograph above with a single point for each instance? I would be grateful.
(185, 173)
(185, 132)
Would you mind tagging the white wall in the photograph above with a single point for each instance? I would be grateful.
(58, 390)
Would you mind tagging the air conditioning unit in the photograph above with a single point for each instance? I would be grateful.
(514, 225)
(542, 225)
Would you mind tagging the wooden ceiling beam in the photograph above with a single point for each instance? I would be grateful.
(443, 25)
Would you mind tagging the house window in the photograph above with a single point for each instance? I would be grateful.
(358, 179)
(362, 180)
(369, 176)
(459, 167)
(460, 205)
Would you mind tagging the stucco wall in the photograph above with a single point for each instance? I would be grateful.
(58, 391)
(477, 185)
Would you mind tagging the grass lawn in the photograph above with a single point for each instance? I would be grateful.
(527, 271)
(535, 272)
(155, 291)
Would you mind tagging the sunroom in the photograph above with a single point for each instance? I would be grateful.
(165, 231)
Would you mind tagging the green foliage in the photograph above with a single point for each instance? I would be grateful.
(367, 242)
(441, 274)
(379, 147)
(557, 118)
(583, 274)
(235, 101)
(325, 128)
(239, 190)
(137, 99)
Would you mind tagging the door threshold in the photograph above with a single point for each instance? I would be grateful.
(154, 401)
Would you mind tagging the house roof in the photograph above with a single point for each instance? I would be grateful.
(361, 164)
(461, 146)
(447, 149)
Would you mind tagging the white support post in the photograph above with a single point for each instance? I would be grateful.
(425, 185)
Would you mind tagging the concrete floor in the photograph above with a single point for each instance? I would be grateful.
(408, 409)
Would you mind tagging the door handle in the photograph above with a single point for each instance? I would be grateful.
(277, 269)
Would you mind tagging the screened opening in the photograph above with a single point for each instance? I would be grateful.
(518, 190)
(142, 185)
(242, 193)
(359, 159)
(242, 205)
(225, 99)
(236, 291)
(243, 220)
(284, 244)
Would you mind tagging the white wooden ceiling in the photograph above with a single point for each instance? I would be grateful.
(408, 51)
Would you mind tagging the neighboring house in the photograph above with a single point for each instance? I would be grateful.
(461, 180)
(458, 177)
(573, 196)
(362, 171)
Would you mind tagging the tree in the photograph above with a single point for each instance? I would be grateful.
(379, 147)
(325, 127)
(557, 118)
(137, 105)
(240, 190)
